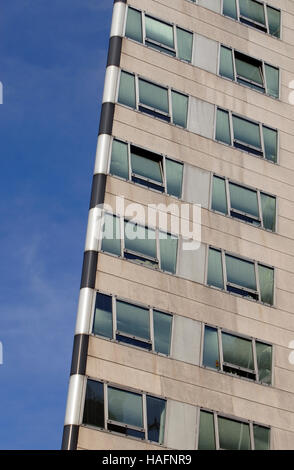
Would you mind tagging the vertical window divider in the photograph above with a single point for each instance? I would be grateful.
(164, 173)
(257, 279)
(129, 161)
(259, 208)
(255, 359)
(220, 348)
(262, 139)
(231, 127)
(105, 405)
(216, 433)
(137, 91)
(234, 64)
(202, 342)
(251, 436)
(227, 186)
(169, 93)
(157, 247)
(238, 9)
(175, 39)
(224, 269)
(264, 76)
(144, 409)
(114, 318)
(143, 27)
(122, 235)
(151, 323)
(266, 18)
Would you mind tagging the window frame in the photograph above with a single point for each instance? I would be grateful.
(174, 26)
(123, 388)
(265, 29)
(157, 112)
(256, 263)
(261, 125)
(227, 182)
(114, 299)
(253, 340)
(157, 267)
(217, 414)
(131, 173)
(263, 63)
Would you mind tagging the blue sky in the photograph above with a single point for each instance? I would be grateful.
(52, 64)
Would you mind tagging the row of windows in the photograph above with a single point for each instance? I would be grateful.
(171, 106)
(163, 174)
(151, 330)
(159, 250)
(253, 13)
(143, 416)
(179, 43)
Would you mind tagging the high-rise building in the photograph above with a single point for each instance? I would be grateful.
(185, 320)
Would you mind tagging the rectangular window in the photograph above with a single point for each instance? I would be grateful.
(243, 203)
(256, 14)
(124, 411)
(246, 135)
(146, 168)
(140, 244)
(237, 355)
(240, 276)
(248, 71)
(153, 99)
(133, 324)
(159, 35)
(217, 432)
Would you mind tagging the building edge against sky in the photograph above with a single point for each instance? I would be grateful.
(190, 349)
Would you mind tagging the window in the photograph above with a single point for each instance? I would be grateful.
(259, 15)
(243, 203)
(246, 135)
(133, 324)
(249, 72)
(140, 244)
(217, 432)
(240, 276)
(153, 99)
(146, 168)
(238, 355)
(159, 35)
(124, 411)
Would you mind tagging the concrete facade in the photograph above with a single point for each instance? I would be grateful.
(181, 378)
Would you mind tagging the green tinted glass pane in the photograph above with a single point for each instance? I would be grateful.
(270, 137)
(119, 159)
(134, 25)
(240, 272)
(244, 200)
(229, 8)
(226, 67)
(223, 127)
(261, 437)
(233, 435)
(103, 316)
(140, 239)
(274, 21)
(206, 431)
(159, 32)
(237, 351)
(272, 80)
(168, 252)
(146, 165)
(215, 269)
(210, 349)
(249, 68)
(180, 109)
(126, 93)
(132, 320)
(111, 235)
(264, 362)
(125, 407)
(219, 197)
(266, 282)
(155, 419)
(268, 205)
(252, 10)
(94, 404)
(153, 95)
(247, 132)
(174, 177)
(185, 43)
(162, 323)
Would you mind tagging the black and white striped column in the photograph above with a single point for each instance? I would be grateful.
(80, 348)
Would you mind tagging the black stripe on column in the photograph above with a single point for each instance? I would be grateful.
(70, 437)
(79, 355)
(98, 190)
(114, 51)
(106, 119)
(89, 269)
